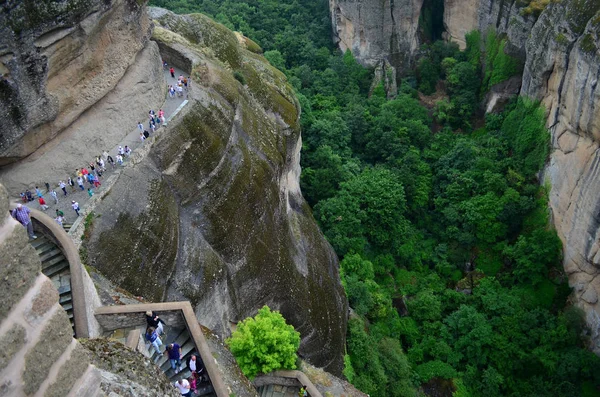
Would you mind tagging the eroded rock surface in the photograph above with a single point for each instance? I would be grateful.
(214, 213)
(377, 30)
(58, 59)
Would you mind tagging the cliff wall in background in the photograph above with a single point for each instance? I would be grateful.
(58, 59)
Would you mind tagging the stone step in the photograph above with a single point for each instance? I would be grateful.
(68, 306)
(56, 267)
(39, 241)
(49, 254)
(45, 247)
(64, 290)
(66, 298)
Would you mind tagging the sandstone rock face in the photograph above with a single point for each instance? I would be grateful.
(562, 70)
(214, 213)
(57, 59)
(460, 17)
(377, 30)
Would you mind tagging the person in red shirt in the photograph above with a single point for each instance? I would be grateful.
(43, 203)
(172, 70)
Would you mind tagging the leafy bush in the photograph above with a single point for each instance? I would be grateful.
(239, 77)
(264, 343)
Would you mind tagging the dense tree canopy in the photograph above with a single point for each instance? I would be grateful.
(447, 256)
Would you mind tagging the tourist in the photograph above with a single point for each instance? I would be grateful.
(119, 159)
(84, 172)
(60, 219)
(153, 338)
(120, 150)
(63, 186)
(47, 186)
(153, 320)
(172, 71)
(59, 213)
(90, 192)
(184, 387)
(179, 90)
(153, 126)
(142, 137)
(96, 181)
(28, 195)
(42, 203)
(101, 164)
(54, 196)
(194, 365)
(75, 206)
(127, 151)
(140, 126)
(38, 192)
(185, 83)
(193, 384)
(93, 169)
(146, 134)
(110, 160)
(161, 114)
(171, 91)
(80, 182)
(21, 214)
(174, 353)
(90, 179)
(23, 197)
(71, 183)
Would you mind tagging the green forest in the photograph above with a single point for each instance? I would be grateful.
(449, 262)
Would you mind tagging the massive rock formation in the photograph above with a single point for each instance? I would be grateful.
(377, 30)
(58, 59)
(562, 70)
(214, 213)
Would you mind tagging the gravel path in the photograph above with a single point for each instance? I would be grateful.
(132, 140)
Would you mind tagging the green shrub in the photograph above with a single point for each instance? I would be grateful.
(264, 343)
(239, 77)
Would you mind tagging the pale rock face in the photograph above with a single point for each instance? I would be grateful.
(58, 62)
(377, 30)
(562, 70)
(460, 18)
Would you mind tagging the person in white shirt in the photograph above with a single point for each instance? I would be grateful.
(53, 195)
(184, 387)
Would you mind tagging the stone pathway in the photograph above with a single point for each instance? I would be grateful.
(132, 140)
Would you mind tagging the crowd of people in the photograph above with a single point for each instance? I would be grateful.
(187, 386)
(90, 174)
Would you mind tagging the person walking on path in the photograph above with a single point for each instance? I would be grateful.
(38, 192)
(184, 387)
(60, 219)
(153, 338)
(23, 197)
(42, 203)
(90, 179)
(28, 195)
(54, 196)
(153, 320)
(71, 183)
(140, 126)
(119, 159)
(90, 192)
(96, 181)
(63, 187)
(172, 71)
(174, 353)
(127, 151)
(120, 150)
(110, 160)
(80, 182)
(75, 206)
(21, 214)
(142, 137)
(60, 213)
(47, 186)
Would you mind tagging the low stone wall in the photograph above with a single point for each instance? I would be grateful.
(85, 296)
(38, 352)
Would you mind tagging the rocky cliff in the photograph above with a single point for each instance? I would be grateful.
(212, 212)
(377, 30)
(58, 59)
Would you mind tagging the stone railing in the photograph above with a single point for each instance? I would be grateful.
(84, 295)
(287, 378)
(173, 313)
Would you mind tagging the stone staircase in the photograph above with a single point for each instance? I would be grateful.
(278, 391)
(56, 267)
